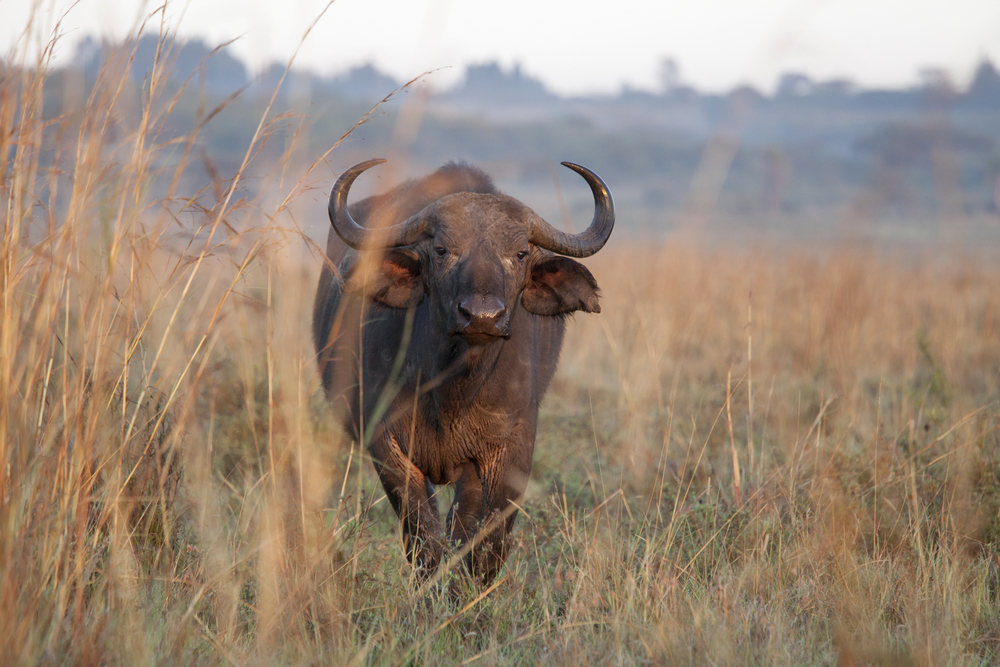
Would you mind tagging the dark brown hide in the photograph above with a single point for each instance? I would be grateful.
(437, 351)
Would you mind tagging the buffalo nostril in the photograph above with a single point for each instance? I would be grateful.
(464, 316)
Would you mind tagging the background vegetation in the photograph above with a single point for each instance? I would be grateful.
(760, 453)
(810, 160)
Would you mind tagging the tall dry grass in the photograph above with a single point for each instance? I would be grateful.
(771, 456)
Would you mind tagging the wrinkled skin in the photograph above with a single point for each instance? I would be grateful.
(487, 310)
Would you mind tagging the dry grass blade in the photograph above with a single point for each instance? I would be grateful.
(173, 488)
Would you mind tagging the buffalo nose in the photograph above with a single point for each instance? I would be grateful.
(481, 313)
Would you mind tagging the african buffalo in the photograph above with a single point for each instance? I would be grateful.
(438, 322)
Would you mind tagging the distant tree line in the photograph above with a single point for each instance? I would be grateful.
(806, 151)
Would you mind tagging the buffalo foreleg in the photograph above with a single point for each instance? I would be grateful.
(408, 491)
(463, 516)
(503, 482)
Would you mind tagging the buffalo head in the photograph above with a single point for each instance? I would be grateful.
(475, 255)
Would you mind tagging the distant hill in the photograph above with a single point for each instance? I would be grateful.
(811, 151)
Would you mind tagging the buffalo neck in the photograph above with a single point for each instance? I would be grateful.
(458, 377)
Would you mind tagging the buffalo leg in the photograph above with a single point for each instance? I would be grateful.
(407, 490)
(463, 516)
(432, 499)
(501, 485)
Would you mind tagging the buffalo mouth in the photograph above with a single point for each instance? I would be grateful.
(480, 338)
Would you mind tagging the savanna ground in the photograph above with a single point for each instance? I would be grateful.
(774, 456)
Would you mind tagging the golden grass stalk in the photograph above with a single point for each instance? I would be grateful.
(172, 488)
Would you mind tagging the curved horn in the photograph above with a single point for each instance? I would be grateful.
(365, 238)
(593, 239)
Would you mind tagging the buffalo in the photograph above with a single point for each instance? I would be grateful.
(438, 323)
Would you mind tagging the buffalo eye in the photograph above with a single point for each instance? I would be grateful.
(440, 250)
(521, 255)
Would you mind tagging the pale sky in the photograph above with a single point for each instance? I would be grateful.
(574, 46)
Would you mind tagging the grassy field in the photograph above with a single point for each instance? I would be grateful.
(774, 456)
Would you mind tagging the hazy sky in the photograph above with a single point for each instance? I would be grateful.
(575, 46)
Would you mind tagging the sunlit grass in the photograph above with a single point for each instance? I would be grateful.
(174, 489)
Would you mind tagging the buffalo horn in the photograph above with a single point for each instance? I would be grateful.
(594, 237)
(359, 237)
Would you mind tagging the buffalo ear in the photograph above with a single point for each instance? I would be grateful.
(396, 281)
(559, 286)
